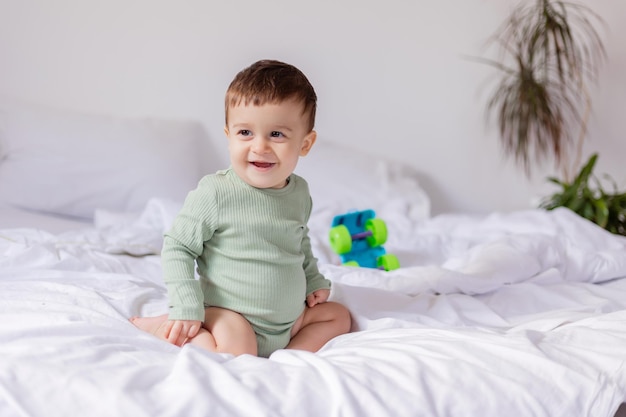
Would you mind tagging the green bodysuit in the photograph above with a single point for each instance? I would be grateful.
(252, 251)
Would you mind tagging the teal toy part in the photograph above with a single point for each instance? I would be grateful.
(358, 238)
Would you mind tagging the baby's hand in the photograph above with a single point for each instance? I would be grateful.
(178, 332)
(317, 297)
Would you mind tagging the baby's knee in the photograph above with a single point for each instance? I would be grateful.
(334, 313)
(232, 332)
(205, 340)
(342, 317)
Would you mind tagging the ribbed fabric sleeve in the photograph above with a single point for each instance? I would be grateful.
(251, 247)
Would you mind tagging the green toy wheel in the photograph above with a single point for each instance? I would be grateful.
(351, 263)
(388, 262)
(340, 239)
(378, 228)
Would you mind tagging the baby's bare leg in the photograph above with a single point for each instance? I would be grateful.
(150, 324)
(223, 331)
(319, 324)
(231, 331)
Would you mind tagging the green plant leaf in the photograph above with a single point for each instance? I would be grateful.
(602, 212)
(556, 181)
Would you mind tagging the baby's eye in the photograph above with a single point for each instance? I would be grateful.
(244, 132)
(276, 134)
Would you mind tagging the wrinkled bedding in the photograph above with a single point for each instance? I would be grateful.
(508, 314)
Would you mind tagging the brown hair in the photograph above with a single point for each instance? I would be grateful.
(269, 81)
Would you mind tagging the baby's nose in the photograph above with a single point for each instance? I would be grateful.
(260, 145)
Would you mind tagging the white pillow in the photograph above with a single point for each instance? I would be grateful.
(342, 179)
(71, 164)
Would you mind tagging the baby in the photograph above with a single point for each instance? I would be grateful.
(246, 230)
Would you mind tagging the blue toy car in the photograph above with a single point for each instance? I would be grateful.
(357, 237)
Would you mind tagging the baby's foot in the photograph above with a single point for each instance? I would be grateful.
(149, 324)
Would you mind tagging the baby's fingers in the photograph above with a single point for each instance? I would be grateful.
(175, 333)
(311, 300)
(193, 330)
(166, 329)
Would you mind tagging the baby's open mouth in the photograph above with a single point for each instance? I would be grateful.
(263, 164)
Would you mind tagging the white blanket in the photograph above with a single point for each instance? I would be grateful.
(520, 314)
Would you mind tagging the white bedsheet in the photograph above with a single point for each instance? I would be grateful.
(520, 314)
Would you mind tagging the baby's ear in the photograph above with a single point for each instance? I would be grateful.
(307, 142)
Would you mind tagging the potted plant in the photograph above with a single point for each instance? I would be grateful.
(605, 208)
(550, 52)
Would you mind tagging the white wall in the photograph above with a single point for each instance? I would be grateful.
(390, 75)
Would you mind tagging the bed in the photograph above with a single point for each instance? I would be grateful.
(520, 313)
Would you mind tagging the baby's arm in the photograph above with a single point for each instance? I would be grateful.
(317, 286)
(182, 245)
